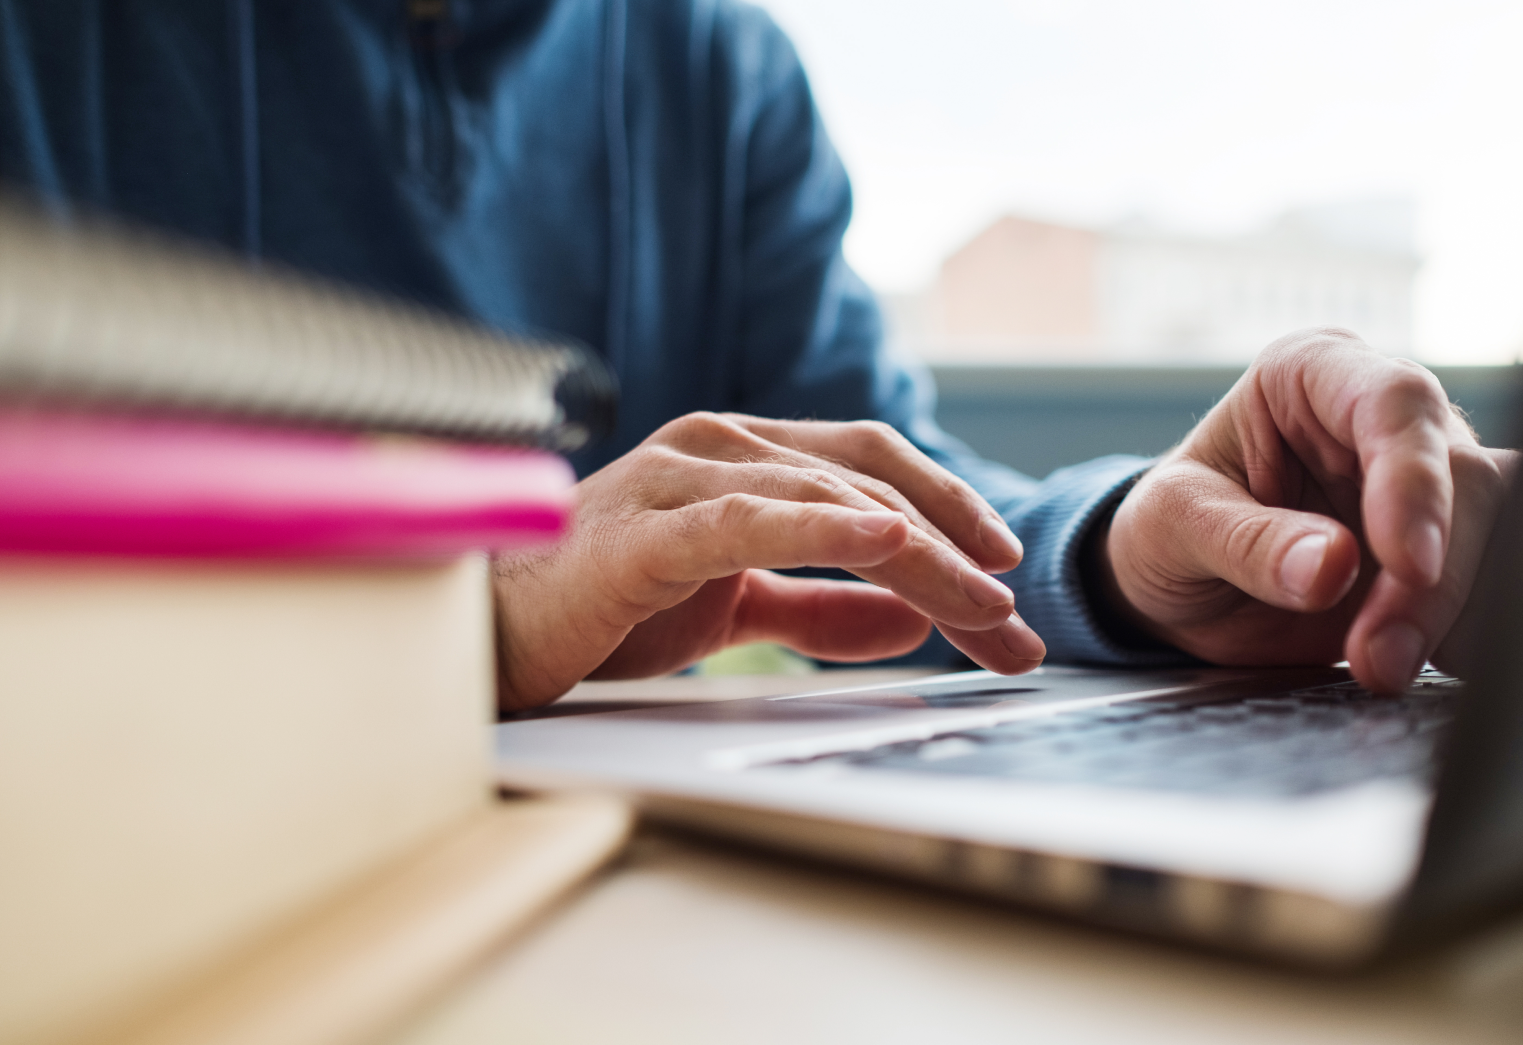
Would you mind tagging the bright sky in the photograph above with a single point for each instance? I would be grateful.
(1207, 115)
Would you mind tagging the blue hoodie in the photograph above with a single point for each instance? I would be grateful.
(651, 178)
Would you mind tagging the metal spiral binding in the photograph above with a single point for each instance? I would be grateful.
(97, 313)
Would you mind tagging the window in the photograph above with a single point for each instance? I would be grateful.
(1179, 181)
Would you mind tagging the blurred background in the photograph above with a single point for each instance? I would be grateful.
(1088, 215)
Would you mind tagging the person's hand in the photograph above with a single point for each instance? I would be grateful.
(668, 559)
(1332, 506)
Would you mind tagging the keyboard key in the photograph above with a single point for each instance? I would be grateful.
(1294, 743)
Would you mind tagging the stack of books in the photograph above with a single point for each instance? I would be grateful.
(246, 646)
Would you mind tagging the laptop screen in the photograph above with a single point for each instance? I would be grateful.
(1473, 860)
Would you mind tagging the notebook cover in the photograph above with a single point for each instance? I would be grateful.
(91, 484)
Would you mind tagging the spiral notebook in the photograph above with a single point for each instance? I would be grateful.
(95, 312)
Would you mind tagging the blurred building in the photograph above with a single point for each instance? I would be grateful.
(1032, 291)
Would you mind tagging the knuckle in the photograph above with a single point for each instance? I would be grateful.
(1328, 336)
(779, 482)
(708, 533)
(733, 511)
(1422, 386)
(688, 528)
(1411, 395)
(662, 456)
(947, 489)
(950, 487)
(872, 430)
(1474, 466)
(657, 476)
(1414, 379)
(1307, 342)
(879, 490)
(701, 428)
(1248, 539)
(871, 439)
(817, 484)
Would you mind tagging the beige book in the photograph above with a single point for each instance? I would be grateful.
(355, 967)
(196, 758)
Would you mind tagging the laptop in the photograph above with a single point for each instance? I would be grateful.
(1283, 813)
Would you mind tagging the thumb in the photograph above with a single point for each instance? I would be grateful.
(1211, 527)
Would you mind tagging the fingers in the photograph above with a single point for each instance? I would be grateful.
(842, 621)
(1198, 525)
(1395, 418)
(832, 620)
(1400, 431)
(876, 450)
(1400, 625)
(564, 612)
(1390, 642)
(1427, 497)
(919, 575)
(715, 538)
(738, 531)
(1011, 648)
(930, 574)
(1322, 440)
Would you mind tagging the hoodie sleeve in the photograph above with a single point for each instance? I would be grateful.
(810, 343)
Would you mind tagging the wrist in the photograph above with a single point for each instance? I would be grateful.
(1115, 615)
(528, 675)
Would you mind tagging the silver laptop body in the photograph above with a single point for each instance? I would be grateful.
(1285, 813)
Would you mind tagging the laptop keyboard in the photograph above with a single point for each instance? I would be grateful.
(1293, 743)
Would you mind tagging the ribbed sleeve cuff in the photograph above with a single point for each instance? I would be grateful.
(1049, 591)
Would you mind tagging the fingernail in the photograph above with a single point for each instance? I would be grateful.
(876, 524)
(1302, 563)
(998, 538)
(1020, 640)
(1397, 650)
(986, 592)
(1425, 543)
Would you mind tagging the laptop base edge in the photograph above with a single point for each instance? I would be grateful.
(1278, 925)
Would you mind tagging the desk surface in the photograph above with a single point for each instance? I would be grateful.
(685, 941)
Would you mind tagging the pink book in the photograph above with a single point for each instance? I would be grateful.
(92, 484)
